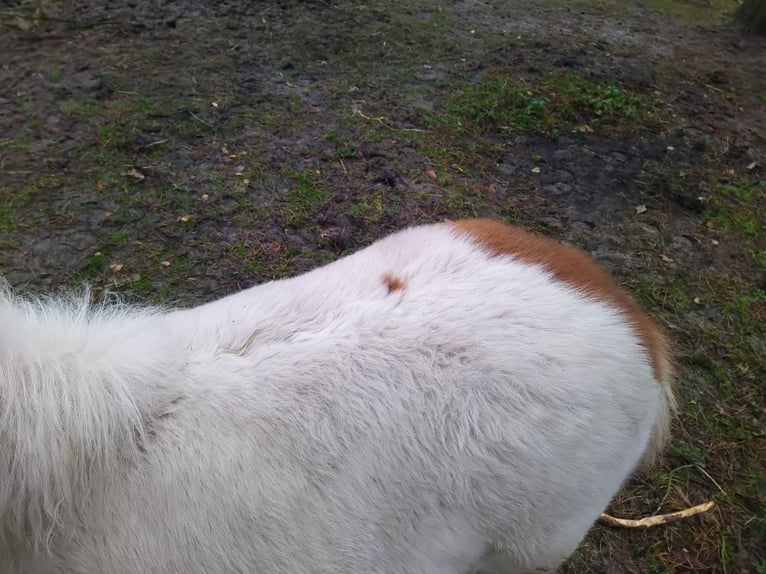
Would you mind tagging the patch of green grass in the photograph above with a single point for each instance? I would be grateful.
(143, 286)
(737, 375)
(95, 263)
(748, 310)
(7, 216)
(716, 444)
(669, 295)
(609, 100)
(750, 226)
(345, 152)
(735, 209)
(80, 109)
(455, 157)
(371, 206)
(461, 201)
(499, 104)
(11, 203)
(246, 257)
(708, 12)
(729, 190)
(118, 238)
(691, 452)
(14, 145)
(164, 294)
(117, 138)
(307, 194)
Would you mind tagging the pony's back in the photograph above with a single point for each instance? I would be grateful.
(451, 392)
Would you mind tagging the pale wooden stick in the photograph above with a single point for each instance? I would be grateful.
(658, 519)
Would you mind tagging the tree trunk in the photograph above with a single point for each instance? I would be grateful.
(751, 16)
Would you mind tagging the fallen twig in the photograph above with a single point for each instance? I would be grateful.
(382, 120)
(200, 120)
(659, 519)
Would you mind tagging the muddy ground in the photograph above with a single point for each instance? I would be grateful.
(179, 151)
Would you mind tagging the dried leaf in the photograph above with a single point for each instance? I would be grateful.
(666, 259)
(100, 184)
(135, 174)
(116, 267)
(22, 23)
(751, 165)
(431, 173)
(640, 209)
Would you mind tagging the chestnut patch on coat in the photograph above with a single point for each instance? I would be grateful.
(575, 268)
(392, 282)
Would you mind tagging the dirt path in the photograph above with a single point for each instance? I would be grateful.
(178, 151)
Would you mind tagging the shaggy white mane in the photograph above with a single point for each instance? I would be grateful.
(73, 401)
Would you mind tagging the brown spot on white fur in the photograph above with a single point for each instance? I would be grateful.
(392, 282)
(575, 268)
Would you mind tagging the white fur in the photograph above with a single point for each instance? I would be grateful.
(321, 424)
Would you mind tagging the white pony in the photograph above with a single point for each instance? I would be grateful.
(451, 396)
